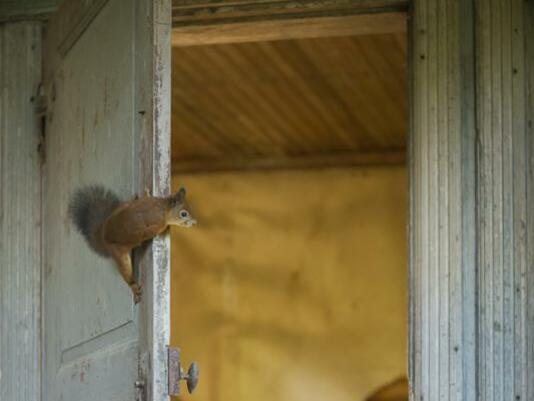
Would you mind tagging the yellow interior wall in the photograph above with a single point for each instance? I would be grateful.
(293, 286)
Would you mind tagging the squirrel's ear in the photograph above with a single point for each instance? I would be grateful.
(180, 195)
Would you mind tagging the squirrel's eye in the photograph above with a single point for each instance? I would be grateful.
(183, 214)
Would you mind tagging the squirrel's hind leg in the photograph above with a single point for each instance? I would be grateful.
(124, 263)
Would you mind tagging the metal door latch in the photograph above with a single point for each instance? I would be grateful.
(176, 373)
(139, 390)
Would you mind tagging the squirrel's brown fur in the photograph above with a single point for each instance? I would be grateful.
(112, 228)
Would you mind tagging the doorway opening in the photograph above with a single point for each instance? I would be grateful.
(293, 286)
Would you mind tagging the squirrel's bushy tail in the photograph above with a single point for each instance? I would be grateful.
(89, 207)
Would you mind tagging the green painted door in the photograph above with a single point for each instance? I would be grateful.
(106, 78)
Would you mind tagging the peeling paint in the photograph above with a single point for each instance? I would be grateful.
(154, 148)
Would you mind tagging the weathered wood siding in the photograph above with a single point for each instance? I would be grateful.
(472, 180)
(442, 339)
(505, 258)
(20, 218)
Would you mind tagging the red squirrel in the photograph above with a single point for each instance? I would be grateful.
(113, 228)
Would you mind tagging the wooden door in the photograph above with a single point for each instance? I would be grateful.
(106, 80)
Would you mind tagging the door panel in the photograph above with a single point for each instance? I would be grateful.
(95, 134)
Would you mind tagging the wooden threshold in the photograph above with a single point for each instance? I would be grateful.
(287, 28)
(289, 163)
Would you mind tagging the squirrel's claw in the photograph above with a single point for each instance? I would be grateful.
(137, 298)
(137, 292)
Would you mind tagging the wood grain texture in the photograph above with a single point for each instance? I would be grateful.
(505, 205)
(472, 312)
(442, 164)
(288, 28)
(529, 76)
(220, 5)
(223, 12)
(285, 99)
(20, 213)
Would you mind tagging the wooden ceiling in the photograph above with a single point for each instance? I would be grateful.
(329, 100)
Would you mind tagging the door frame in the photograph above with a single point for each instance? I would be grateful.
(197, 23)
(470, 67)
(155, 177)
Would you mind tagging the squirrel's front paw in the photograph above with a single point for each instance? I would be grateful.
(137, 292)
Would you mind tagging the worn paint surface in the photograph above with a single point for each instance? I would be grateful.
(472, 158)
(20, 218)
(153, 108)
(442, 157)
(506, 214)
(98, 66)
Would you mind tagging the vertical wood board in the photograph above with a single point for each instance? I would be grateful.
(472, 279)
(442, 338)
(505, 210)
(528, 314)
(20, 214)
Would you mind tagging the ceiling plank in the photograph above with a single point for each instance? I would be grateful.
(345, 159)
(271, 99)
(283, 29)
